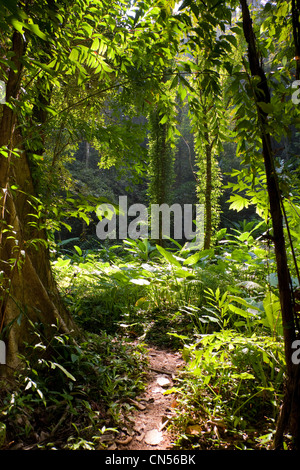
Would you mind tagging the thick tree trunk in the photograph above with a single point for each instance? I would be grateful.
(289, 419)
(28, 291)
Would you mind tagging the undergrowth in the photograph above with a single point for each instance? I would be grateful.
(219, 307)
(70, 400)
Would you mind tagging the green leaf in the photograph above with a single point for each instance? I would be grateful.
(35, 29)
(155, 11)
(70, 376)
(79, 250)
(95, 44)
(267, 108)
(243, 375)
(169, 257)
(84, 217)
(174, 82)
(232, 39)
(74, 54)
(272, 309)
(238, 202)
(193, 259)
(164, 119)
(61, 263)
(238, 311)
(244, 124)
(17, 25)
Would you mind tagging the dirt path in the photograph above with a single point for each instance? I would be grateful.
(148, 423)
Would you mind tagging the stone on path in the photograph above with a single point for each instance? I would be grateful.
(163, 381)
(153, 437)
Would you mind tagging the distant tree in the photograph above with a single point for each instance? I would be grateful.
(202, 56)
(161, 160)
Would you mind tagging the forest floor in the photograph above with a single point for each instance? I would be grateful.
(147, 426)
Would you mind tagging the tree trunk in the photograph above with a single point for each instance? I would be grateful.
(208, 192)
(161, 168)
(289, 419)
(28, 292)
(87, 155)
(296, 34)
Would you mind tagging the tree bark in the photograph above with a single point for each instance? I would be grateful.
(296, 34)
(289, 419)
(208, 192)
(87, 155)
(28, 292)
(161, 167)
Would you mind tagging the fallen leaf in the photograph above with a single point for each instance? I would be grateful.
(138, 405)
(124, 441)
(194, 429)
(113, 446)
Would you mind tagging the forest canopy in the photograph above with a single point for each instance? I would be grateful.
(150, 179)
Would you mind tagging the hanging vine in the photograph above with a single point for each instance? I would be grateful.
(161, 151)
